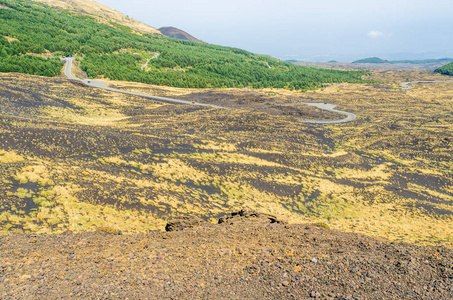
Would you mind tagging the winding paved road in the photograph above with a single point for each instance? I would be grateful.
(330, 107)
(406, 86)
(104, 85)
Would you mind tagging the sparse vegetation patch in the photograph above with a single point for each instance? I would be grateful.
(77, 158)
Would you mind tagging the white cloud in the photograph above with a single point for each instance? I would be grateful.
(375, 34)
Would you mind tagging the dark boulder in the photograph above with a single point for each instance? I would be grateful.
(247, 215)
(183, 223)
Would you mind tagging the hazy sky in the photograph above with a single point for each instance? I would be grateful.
(309, 30)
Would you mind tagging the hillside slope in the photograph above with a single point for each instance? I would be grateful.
(118, 53)
(102, 13)
(178, 34)
(445, 70)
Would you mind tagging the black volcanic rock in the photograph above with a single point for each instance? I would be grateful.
(250, 215)
(183, 223)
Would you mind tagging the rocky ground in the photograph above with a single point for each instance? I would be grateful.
(76, 158)
(248, 255)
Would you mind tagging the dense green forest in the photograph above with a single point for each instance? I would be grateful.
(445, 70)
(27, 64)
(117, 53)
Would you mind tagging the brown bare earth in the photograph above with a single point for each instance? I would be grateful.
(102, 13)
(245, 257)
(178, 34)
(9, 39)
(79, 158)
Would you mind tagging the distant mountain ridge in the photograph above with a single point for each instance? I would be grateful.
(179, 34)
(423, 61)
(370, 60)
(377, 60)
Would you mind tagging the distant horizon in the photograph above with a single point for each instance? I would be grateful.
(322, 31)
(389, 57)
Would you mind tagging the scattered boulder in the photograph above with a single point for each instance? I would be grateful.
(250, 216)
(244, 215)
(183, 223)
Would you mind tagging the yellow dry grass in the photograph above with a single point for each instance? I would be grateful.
(175, 169)
(380, 172)
(236, 158)
(103, 13)
(377, 175)
(90, 116)
(216, 146)
(37, 171)
(9, 157)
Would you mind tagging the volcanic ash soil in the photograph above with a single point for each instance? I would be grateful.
(248, 255)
